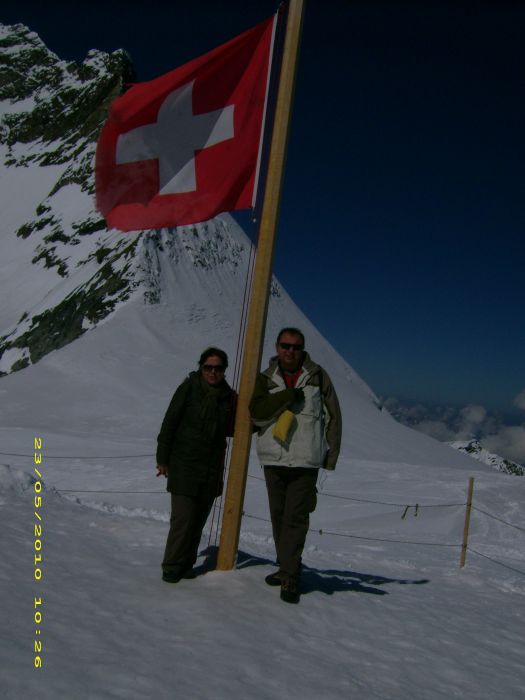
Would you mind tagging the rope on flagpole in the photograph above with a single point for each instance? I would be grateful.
(217, 506)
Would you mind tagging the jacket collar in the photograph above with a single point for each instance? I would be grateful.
(222, 389)
(309, 367)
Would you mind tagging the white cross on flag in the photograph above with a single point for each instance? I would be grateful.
(184, 147)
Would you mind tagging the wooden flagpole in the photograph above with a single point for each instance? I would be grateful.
(234, 499)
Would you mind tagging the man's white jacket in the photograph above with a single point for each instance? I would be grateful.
(314, 438)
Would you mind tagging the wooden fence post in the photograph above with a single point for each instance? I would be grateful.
(467, 522)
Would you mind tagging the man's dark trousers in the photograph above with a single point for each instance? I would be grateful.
(292, 496)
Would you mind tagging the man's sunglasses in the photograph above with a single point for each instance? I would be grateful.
(291, 346)
(213, 368)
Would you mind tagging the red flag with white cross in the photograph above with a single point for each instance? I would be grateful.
(183, 147)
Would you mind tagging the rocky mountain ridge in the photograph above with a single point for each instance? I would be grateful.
(51, 114)
(475, 449)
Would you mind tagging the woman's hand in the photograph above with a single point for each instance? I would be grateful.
(162, 470)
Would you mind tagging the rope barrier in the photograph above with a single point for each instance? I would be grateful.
(495, 561)
(321, 532)
(382, 503)
(416, 506)
(257, 478)
(397, 505)
(342, 534)
(359, 537)
(516, 527)
(378, 539)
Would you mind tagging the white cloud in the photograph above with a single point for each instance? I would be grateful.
(473, 414)
(471, 422)
(519, 400)
(508, 442)
(438, 430)
(471, 419)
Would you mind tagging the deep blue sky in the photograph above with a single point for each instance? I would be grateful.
(402, 221)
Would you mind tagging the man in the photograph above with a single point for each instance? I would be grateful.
(295, 408)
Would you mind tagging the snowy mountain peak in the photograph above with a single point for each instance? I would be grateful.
(51, 114)
(55, 105)
(475, 449)
(66, 272)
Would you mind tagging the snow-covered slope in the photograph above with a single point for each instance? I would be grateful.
(137, 356)
(380, 616)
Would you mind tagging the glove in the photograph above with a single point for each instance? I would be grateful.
(282, 427)
(298, 395)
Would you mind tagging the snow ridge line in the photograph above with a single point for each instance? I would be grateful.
(406, 506)
(339, 534)
(250, 476)
(20, 454)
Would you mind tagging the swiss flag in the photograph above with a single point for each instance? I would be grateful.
(185, 146)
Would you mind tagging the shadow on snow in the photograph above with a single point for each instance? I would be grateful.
(328, 581)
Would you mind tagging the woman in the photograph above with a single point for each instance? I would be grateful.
(190, 453)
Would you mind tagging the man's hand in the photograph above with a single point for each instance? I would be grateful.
(299, 395)
(162, 470)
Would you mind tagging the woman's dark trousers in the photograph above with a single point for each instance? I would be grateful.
(188, 518)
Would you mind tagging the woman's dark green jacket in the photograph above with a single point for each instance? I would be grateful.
(192, 439)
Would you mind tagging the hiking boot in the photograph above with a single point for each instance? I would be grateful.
(171, 576)
(189, 573)
(289, 591)
(273, 579)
